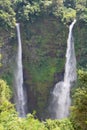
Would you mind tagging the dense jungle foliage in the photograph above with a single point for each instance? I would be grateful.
(28, 12)
(9, 119)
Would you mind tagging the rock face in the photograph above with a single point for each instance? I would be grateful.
(44, 45)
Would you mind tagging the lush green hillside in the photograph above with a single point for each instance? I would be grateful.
(44, 45)
(44, 31)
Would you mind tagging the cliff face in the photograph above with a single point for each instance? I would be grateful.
(7, 54)
(44, 45)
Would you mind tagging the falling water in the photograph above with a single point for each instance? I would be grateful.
(70, 66)
(61, 101)
(20, 99)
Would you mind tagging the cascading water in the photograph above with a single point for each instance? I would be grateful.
(70, 66)
(61, 101)
(20, 99)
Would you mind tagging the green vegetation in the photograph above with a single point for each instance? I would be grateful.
(30, 10)
(9, 119)
(27, 10)
(7, 14)
(44, 34)
(43, 50)
(79, 108)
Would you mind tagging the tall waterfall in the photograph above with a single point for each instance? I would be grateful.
(20, 99)
(61, 101)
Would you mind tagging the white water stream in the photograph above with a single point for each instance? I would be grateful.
(20, 99)
(61, 101)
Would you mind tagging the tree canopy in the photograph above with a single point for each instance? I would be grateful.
(29, 10)
(79, 108)
(7, 14)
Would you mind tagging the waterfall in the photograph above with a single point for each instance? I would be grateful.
(20, 99)
(70, 66)
(60, 103)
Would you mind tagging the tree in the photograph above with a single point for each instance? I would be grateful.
(79, 108)
(81, 9)
(7, 14)
(5, 95)
(26, 10)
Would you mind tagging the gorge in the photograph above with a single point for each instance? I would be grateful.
(61, 94)
(39, 86)
(43, 58)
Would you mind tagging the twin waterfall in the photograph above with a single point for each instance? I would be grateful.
(20, 99)
(61, 102)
